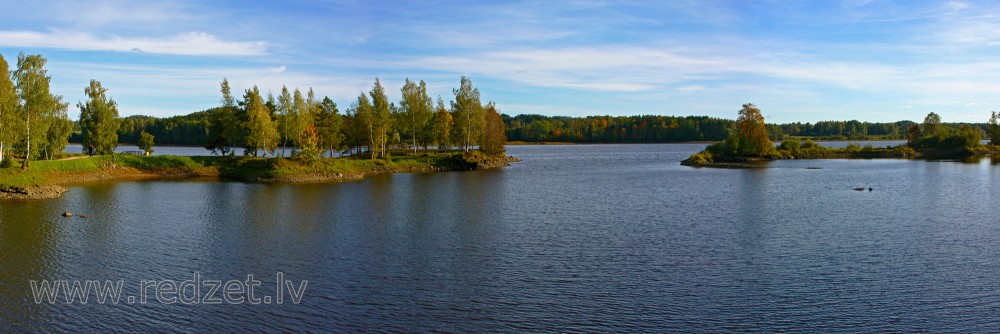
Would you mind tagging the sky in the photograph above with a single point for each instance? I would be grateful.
(798, 61)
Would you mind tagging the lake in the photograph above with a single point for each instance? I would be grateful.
(576, 238)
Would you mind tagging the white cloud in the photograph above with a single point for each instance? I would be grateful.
(188, 44)
(691, 88)
(610, 68)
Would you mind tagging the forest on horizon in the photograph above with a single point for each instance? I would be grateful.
(191, 129)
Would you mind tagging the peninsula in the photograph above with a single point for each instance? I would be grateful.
(373, 135)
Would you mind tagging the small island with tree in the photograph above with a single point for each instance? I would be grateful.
(748, 144)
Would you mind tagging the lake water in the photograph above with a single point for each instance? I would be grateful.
(575, 238)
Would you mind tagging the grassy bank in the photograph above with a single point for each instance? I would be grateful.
(82, 169)
(708, 158)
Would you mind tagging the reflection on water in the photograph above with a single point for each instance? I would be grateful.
(577, 238)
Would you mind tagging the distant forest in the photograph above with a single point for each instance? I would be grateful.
(191, 129)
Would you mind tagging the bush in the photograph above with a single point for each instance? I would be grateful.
(966, 137)
(809, 144)
(719, 148)
(789, 145)
(7, 162)
(701, 158)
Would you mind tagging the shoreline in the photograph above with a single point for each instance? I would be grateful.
(50, 181)
(698, 161)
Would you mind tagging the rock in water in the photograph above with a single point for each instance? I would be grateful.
(67, 214)
(859, 189)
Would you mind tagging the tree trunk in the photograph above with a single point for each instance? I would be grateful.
(413, 132)
(27, 150)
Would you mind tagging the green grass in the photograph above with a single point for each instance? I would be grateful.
(244, 168)
(164, 161)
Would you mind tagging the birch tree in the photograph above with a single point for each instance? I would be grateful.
(37, 103)
(417, 108)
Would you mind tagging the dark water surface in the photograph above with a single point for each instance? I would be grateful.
(574, 238)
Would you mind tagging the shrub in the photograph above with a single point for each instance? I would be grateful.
(789, 145)
(809, 144)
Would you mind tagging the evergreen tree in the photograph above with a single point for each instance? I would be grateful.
(329, 124)
(224, 129)
(994, 129)
(99, 120)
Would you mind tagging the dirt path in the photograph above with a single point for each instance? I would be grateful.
(74, 157)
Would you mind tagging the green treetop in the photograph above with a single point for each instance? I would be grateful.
(99, 120)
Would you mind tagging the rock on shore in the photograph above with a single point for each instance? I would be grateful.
(39, 192)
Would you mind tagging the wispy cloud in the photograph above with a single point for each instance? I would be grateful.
(188, 44)
(691, 88)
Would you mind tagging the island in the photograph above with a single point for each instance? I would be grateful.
(748, 144)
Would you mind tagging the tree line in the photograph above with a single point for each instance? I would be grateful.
(190, 129)
(371, 125)
(33, 121)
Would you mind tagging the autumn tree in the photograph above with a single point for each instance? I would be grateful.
(417, 109)
(443, 123)
(37, 104)
(468, 114)
(262, 132)
(494, 137)
(308, 146)
(99, 119)
(145, 142)
(8, 106)
(301, 118)
(749, 135)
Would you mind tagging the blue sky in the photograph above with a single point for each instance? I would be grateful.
(797, 60)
